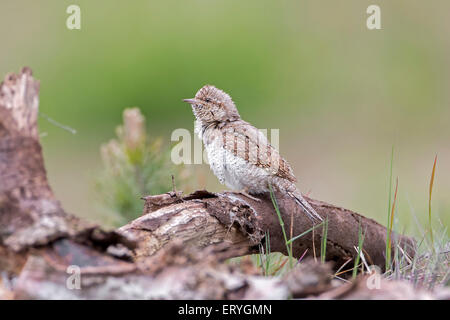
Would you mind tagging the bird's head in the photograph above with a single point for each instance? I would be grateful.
(213, 105)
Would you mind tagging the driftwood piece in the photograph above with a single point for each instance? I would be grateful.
(175, 250)
(203, 218)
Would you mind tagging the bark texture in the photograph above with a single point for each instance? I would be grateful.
(203, 218)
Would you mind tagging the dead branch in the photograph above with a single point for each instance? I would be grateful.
(203, 218)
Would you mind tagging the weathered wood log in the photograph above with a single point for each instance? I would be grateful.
(203, 218)
(175, 272)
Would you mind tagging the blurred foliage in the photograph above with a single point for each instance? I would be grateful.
(340, 94)
(134, 166)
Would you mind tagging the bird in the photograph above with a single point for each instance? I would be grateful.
(239, 154)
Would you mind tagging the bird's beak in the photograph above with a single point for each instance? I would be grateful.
(190, 101)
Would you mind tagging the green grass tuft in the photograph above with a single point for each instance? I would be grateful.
(388, 240)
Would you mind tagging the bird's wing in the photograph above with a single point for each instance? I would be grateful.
(250, 144)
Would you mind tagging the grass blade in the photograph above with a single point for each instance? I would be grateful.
(267, 252)
(280, 219)
(389, 208)
(429, 199)
(390, 227)
(306, 232)
(323, 248)
(360, 246)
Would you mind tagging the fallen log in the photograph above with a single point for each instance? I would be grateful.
(204, 218)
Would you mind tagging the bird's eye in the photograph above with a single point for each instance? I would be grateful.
(208, 100)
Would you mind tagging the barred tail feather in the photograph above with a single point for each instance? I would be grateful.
(312, 214)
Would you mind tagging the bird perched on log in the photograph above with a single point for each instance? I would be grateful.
(239, 154)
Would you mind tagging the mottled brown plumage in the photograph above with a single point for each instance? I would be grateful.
(239, 154)
(247, 143)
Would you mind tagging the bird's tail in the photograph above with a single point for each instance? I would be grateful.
(312, 214)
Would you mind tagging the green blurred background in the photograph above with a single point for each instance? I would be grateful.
(340, 94)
